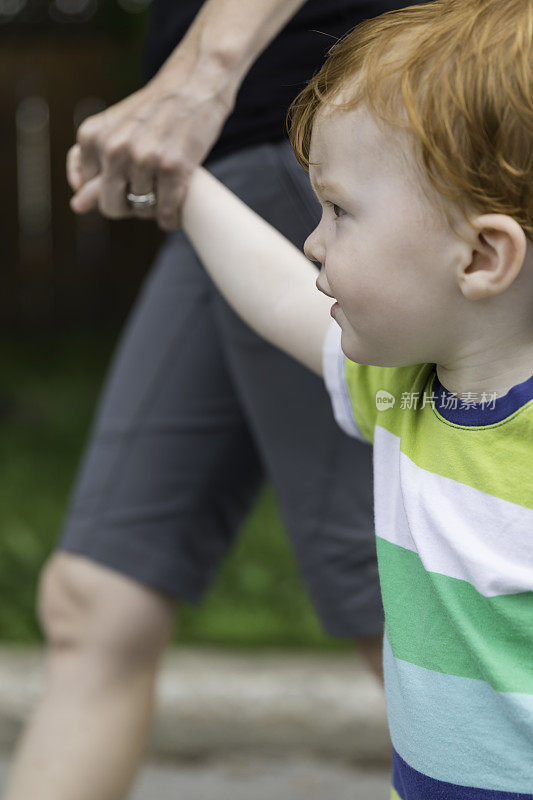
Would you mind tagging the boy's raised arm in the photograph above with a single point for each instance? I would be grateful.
(267, 280)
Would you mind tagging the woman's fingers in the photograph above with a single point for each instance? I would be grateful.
(86, 198)
(74, 172)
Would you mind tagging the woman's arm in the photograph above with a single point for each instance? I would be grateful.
(159, 134)
(267, 280)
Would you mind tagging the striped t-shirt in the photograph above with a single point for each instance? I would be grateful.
(454, 525)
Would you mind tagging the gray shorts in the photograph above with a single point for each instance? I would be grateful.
(197, 411)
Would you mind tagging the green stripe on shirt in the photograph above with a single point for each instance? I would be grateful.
(444, 624)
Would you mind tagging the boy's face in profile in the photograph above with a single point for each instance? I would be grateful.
(387, 253)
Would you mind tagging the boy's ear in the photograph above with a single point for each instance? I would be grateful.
(498, 253)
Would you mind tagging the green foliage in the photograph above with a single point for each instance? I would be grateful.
(47, 396)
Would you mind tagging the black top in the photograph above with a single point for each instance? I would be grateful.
(278, 74)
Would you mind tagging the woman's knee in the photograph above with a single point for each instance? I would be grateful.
(85, 605)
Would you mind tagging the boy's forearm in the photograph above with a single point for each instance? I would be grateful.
(267, 280)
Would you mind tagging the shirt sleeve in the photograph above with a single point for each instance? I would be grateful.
(333, 364)
(359, 393)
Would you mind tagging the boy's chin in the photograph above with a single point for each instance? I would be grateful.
(363, 353)
(357, 351)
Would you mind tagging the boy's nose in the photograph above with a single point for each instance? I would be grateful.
(313, 249)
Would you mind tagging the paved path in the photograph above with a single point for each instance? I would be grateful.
(242, 778)
(212, 703)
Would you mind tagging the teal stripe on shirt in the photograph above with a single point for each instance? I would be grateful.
(459, 730)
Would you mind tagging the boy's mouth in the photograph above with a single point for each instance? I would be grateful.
(321, 288)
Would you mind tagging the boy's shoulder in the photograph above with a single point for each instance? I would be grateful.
(363, 395)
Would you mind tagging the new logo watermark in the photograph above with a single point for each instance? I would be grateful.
(384, 400)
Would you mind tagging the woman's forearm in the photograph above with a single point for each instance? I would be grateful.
(225, 39)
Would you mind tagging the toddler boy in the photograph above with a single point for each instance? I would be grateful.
(418, 137)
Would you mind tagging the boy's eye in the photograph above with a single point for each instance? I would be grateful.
(337, 210)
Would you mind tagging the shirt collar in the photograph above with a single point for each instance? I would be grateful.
(475, 409)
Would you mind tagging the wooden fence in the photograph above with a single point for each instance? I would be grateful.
(57, 268)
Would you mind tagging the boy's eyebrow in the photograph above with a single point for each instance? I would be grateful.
(322, 186)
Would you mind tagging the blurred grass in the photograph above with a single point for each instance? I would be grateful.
(48, 389)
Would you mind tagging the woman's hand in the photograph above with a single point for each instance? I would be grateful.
(149, 142)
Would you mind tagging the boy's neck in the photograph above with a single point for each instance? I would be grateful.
(492, 371)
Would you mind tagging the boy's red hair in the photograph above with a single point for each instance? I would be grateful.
(457, 74)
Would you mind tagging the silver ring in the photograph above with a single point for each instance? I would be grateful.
(141, 200)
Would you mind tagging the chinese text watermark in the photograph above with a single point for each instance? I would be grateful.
(466, 401)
